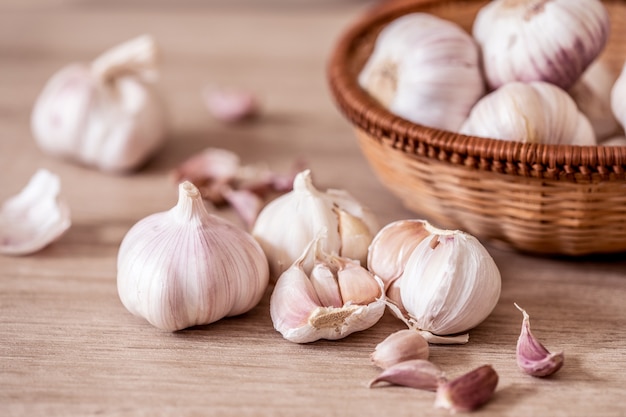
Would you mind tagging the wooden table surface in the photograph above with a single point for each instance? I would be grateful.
(69, 348)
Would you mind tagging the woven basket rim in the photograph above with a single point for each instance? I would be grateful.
(566, 162)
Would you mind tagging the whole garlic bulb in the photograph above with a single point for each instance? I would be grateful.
(535, 112)
(426, 70)
(287, 225)
(618, 98)
(187, 267)
(106, 114)
(539, 40)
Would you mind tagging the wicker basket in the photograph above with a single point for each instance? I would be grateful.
(549, 199)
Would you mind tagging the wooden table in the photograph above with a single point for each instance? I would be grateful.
(69, 348)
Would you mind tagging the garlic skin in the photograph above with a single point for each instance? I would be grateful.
(343, 299)
(618, 98)
(592, 94)
(400, 346)
(35, 217)
(450, 283)
(426, 70)
(535, 112)
(532, 357)
(187, 267)
(286, 226)
(540, 40)
(106, 115)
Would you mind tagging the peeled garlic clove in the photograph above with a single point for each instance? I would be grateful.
(392, 246)
(426, 70)
(532, 357)
(231, 105)
(468, 392)
(536, 40)
(289, 223)
(415, 373)
(187, 267)
(450, 283)
(401, 346)
(106, 115)
(592, 94)
(535, 112)
(618, 98)
(34, 218)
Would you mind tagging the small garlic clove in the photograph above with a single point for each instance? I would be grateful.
(393, 296)
(231, 106)
(357, 284)
(532, 357)
(415, 373)
(326, 286)
(355, 236)
(212, 164)
(34, 218)
(401, 346)
(468, 392)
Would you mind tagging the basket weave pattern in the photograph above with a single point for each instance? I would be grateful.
(551, 199)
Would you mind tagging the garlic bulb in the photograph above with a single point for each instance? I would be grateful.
(106, 115)
(289, 223)
(323, 296)
(35, 217)
(539, 40)
(187, 267)
(426, 70)
(618, 98)
(535, 112)
(592, 94)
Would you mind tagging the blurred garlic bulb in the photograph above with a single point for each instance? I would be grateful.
(535, 112)
(426, 70)
(592, 94)
(35, 217)
(618, 98)
(323, 296)
(538, 40)
(187, 267)
(289, 223)
(106, 114)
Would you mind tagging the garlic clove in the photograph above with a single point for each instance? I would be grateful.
(356, 284)
(530, 40)
(415, 373)
(212, 164)
(35, 217)
(355, 236)
(246, 203)
(403, 345)
(231, 106)
(467, 392)
(326, 286)
(532, 357)
(618, 98)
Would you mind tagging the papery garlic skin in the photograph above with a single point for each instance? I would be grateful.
(450, 283)
(107, 115)
(535, 112)
(187, 267)
(426, 70)
(540, 40)
(289, 223)
(34, 218)
(618, 98)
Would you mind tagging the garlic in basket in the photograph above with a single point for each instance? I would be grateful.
(618, 98)
(187, 267)
(288, 224)
(426, 70)
(539, 40)
(323, 296)
(535, 112)
(107, 114)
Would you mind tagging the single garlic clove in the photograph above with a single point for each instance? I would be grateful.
(326, 286)
(212, 164)
(357, 285)
(393, 296)
(355, 236)
(231, 106)
(531, 40)
(403, 345)
(532, 357)
(392, 246)
(415, 373)
(34, 218)
(618, 98)
(535, 112)
(468, 392)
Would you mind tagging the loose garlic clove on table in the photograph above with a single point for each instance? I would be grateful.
(401, 346)
(426, 70)
(539, 40)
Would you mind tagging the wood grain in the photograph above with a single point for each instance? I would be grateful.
(69, 348)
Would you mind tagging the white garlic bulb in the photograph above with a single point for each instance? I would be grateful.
(535, 112)
(618, 98)
(592, 94)
(107, 114)
(287, 225)
(187, 267)
(538, 40)
(323, 296)
(34, 218)
(426, 70)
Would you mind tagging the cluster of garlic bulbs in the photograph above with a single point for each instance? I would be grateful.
(539, 60)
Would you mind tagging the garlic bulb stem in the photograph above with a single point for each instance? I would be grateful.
(136, 56)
